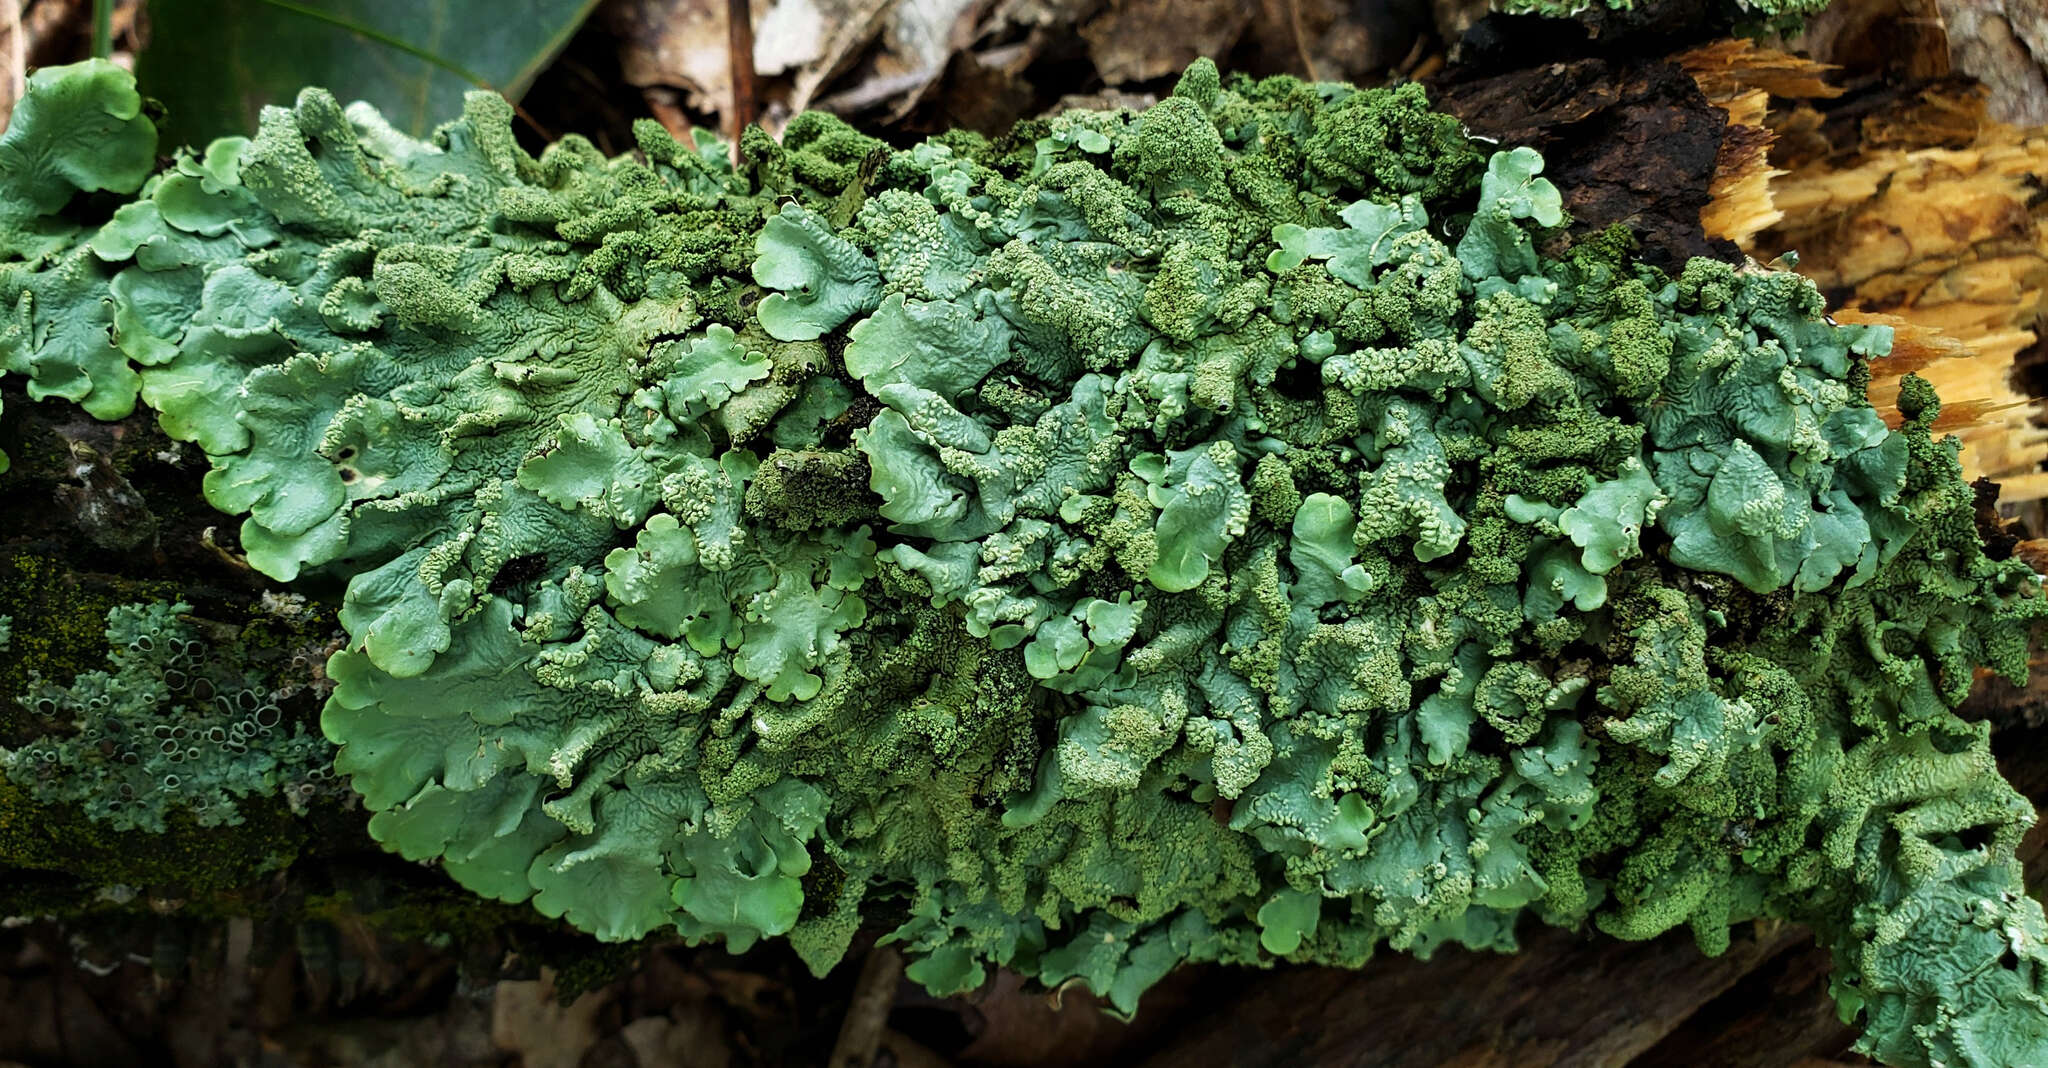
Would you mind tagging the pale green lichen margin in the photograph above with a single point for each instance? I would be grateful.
(1210, 533)
(78, 129)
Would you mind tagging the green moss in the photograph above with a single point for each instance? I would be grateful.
(593, 966)
(205, 866)
(60, 620)
(424, 913)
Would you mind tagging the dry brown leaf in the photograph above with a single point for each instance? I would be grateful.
(1336, 40)
(854, 28)
(16, 53)
(692, 1038)
(1142, 40)
(873, 51)
(1010, 17)
(922, 33)
(1023, 1027)
(905, 1052)
(792, 34)
(984, 90)
(1104, 100)
(679, 44)
(526, 1019)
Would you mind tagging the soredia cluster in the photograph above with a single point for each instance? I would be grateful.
(1226, 532)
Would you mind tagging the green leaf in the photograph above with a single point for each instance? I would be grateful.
(215, 63)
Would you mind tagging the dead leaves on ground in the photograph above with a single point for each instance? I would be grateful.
(930, 64)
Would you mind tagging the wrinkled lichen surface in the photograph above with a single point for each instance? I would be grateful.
(1215, 533)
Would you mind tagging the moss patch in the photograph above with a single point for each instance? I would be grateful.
(60, 620)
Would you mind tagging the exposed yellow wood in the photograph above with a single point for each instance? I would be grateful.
(1949, 244)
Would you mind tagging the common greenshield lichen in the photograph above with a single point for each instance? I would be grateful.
(1212, 533)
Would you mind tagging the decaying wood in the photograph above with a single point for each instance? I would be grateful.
(1567, 999)
(1903, 200)
(1742, 79)
(1627, 141)
(2004, 44)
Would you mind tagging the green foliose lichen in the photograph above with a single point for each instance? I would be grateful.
(1217, 532)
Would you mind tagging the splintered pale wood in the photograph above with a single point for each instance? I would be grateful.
(1952, 241)
(1742, 206)
(1947, 239)
(1965, 378)
(1742, 79)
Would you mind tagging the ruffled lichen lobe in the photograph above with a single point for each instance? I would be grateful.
(1217, 532)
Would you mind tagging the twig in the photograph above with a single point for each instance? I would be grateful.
(1417, 52)
(1308, 64)
(17, 53)
(526, 116)
(873, 995)
(739, 38)
(667, 110)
